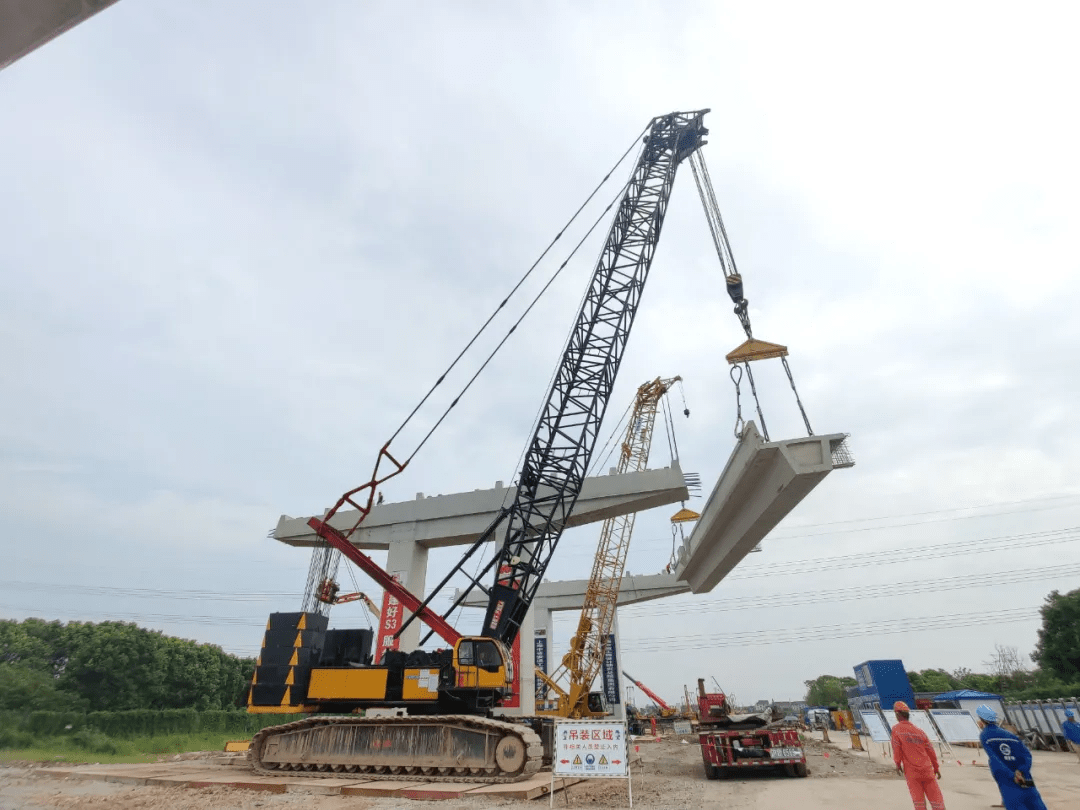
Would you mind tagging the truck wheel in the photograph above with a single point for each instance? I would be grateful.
(801, 769)
(789, 769)
(711, 771)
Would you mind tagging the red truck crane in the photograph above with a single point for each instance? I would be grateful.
(665, 709)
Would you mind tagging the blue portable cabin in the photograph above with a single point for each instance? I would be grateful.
(879, 685)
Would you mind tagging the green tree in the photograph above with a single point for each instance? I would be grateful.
(828, 690)
(1058, 648)
(932, 680)
(114, 666)
(30, 690)
(980, 682)
(19, 647)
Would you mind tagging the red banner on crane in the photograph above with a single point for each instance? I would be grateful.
(390, 620)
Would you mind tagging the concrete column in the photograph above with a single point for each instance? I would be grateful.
(528, 665)
(408, 560)
(542, 628)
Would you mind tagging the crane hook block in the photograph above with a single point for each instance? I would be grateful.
(755, 349)
(735, 287)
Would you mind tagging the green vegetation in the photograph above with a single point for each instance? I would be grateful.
(116, 692)
(93, 746)
(1058, 649)
(1020, 684)
(828, 690)
(135, 736)
(113, 666)
(1057, 655)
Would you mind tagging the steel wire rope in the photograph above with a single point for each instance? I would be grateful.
(172, 618)
(696, 641)
(517, 323)
(356, 588)
(503, 303)
(604, 456)
(618, 197)
(569, 336)
(712, 213)
(669, 428)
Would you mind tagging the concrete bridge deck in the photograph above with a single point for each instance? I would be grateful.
(435, 521)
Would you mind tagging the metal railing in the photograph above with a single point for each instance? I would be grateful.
(1038, 722)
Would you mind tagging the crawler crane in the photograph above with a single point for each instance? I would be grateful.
(450, 694)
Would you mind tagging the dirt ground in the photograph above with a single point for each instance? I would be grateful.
(670, 775)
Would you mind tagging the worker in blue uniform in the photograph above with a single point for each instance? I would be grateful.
(1010, 764)
(1071, 729)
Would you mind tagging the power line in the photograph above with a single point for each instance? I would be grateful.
(765, 637)
(161, 617)
(890, 556)
(150, 593)
(851, 594)
(946, 511)
(900, 555)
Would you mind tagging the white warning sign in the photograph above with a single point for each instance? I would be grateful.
(590, 748)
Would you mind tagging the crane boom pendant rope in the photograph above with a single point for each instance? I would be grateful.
(752, 349)
(325, 559)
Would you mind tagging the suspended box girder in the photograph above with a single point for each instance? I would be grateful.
(26, 25)
(762, 483)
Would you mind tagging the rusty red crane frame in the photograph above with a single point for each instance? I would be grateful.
(340, 540)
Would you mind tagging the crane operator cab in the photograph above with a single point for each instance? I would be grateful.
(598, 705)
(483, 664)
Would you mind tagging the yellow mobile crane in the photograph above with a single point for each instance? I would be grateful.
(582, 663)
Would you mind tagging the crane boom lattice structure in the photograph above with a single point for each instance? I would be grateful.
(560, 450)
(586, 655)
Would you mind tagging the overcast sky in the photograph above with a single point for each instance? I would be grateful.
(239, 241)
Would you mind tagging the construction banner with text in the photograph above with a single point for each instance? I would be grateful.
(590, 748)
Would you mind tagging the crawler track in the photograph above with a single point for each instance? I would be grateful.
(438, 748)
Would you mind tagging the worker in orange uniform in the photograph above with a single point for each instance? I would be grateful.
(915, 760)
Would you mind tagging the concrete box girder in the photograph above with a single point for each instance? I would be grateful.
(762, 483)
(26, 26)
(459, 518)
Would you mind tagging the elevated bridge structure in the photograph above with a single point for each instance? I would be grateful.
(761, 484)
